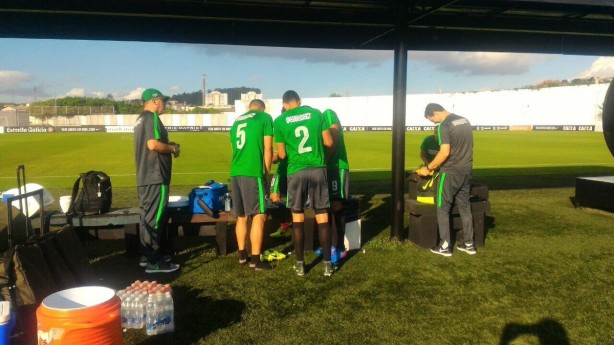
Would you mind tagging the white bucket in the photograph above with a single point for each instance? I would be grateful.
(65, 202)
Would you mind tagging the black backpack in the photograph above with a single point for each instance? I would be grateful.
(94, 197)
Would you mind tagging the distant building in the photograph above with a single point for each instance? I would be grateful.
(14, 117)
(217, 99)
(250, 96)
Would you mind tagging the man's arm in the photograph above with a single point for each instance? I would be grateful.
(423, 157)
(281, 151)
(268, 154)
(160, 147)
(334, 133)
(442, 156)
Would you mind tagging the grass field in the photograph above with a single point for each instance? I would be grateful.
(55, 160)
(544, 276)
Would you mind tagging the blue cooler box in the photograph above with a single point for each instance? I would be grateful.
(213, 195)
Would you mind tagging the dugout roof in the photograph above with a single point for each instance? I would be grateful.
(540, 26)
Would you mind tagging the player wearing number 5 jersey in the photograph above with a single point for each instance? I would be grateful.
(251, 137)
(301, 134)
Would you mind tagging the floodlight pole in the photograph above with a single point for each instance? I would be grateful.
(398, 125)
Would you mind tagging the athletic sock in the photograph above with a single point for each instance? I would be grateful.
(324, 234)
(298, 232)
(255, 259)
(242, 255)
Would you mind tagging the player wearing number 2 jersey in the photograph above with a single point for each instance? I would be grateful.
(301, 135)
(251, 137)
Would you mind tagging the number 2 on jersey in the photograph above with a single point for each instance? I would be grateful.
(303, 133)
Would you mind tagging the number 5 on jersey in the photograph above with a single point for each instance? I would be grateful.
(241, 135)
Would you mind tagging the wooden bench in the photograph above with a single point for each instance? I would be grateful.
(129, 219)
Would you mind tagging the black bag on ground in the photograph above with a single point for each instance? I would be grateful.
(95, 195)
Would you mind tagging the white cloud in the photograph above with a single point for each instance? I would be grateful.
(603, 67)
(480, 63)
(9, 79)
(175, 89)
(311, 55)
(134, 94)
(76, 92)
(16, 83)
(99, 94)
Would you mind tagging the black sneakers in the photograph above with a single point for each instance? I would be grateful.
(468, 248)
(144, 261)
(161, 267)
(442, 251)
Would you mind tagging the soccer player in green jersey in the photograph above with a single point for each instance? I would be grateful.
(251, 137)
(301, 135)
(429, 147)
(338, 172)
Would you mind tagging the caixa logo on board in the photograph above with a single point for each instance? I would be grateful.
(570, 128)
(414, 128)
(355, 129)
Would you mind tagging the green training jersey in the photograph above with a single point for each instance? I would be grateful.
(300, 129)
(339, 160)
(247, 139)
(430, 146)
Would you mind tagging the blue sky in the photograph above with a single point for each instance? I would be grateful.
(45, 69)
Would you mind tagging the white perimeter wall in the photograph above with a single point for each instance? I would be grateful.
(573, 105)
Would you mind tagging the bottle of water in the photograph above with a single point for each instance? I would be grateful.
(152, 316)
(137, 312)
(162, 313)
(227, 203)
(170, 312)
(128, 312)
(124, 311)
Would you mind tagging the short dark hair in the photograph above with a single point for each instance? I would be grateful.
(289, 96)
(431, 108)
(259, 102)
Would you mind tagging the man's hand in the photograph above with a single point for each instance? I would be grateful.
(275, 197)
(177, 150)
(424, 171)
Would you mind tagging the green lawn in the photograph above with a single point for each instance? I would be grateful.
(544, 276)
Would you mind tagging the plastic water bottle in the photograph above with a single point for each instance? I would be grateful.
(137, 312)
(127, 307)
(170, 312)
(162, 313)
(124, 311)
(152, 316)
(227, 203)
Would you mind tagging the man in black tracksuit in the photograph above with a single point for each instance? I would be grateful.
(153, 154)
(455, 159)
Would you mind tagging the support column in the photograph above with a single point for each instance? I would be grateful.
(398, 126)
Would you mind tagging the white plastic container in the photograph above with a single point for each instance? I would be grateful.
(65, 202)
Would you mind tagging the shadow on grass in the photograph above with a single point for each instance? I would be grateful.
(548, 331)
(202, 314)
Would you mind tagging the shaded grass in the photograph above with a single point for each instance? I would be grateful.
(545, 272)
